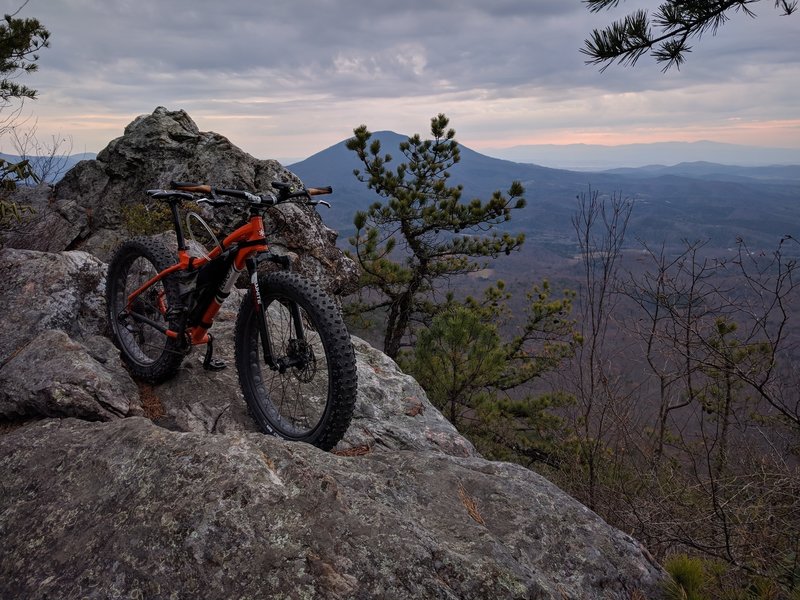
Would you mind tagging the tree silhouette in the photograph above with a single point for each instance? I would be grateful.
(676, 23)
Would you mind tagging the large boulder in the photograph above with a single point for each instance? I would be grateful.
(54, 358)
(85, 209)
(129, 509)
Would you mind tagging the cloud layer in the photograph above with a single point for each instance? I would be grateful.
(287, 78)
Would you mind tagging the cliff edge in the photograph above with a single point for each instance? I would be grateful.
(112, 488)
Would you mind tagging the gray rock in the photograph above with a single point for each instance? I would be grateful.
(42, 290)
(53, 358)
(128, 509)
(393, 412)
(54, 376)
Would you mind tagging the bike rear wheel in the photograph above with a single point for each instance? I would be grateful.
(310, 394)
(149, 353)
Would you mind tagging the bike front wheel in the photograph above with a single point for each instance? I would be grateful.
(309, 391)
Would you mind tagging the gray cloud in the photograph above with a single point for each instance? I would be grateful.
(238, 57)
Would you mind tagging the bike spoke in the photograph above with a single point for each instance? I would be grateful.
(295, 395)
(144, 342)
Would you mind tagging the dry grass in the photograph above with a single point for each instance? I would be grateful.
(470, 504)
(151, 404)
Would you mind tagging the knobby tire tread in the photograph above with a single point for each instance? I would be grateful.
(329, 324)
(154, 250)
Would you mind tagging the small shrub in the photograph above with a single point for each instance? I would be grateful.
(141, 219)
(688, 578)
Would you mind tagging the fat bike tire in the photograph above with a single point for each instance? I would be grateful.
(311, 401)
(149, 354)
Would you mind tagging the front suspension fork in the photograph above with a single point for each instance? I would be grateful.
(261, 315)
(293, 358)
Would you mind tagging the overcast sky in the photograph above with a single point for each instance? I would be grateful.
(287, 78)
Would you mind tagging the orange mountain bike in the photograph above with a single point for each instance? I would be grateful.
(293, 353)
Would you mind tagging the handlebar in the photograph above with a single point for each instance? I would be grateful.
(285, 193)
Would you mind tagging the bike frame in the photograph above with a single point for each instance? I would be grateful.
(247, 241)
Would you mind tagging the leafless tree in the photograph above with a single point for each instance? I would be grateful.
(592, 377)
(48, 159)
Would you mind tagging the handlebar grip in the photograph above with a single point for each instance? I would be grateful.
(232, 193)
(319, 191)
(198, 188)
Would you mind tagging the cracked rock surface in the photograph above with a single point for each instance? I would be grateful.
(130, 509)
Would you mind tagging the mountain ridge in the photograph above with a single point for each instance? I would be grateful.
(685, 201)
(601, 157)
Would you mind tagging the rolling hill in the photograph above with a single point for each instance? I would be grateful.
(690, 201)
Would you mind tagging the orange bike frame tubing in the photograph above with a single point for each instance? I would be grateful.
(252, 232)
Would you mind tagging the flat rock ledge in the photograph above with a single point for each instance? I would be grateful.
(127, 509)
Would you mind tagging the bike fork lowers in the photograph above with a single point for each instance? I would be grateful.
(294, 357)
(261, 315)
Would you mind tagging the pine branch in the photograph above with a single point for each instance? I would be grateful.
(676, 22)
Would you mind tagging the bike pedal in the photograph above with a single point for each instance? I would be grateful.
(214, 364)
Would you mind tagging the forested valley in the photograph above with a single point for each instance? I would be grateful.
(654, 380)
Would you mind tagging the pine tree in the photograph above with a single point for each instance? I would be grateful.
(20, 40)
(479, 377)
(422, 233)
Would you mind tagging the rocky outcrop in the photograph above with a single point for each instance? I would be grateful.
(112, 489)
(84, 210)
(404, 508)
(128, 509)
(54, 359)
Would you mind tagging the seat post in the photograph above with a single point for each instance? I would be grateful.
(176, 219)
